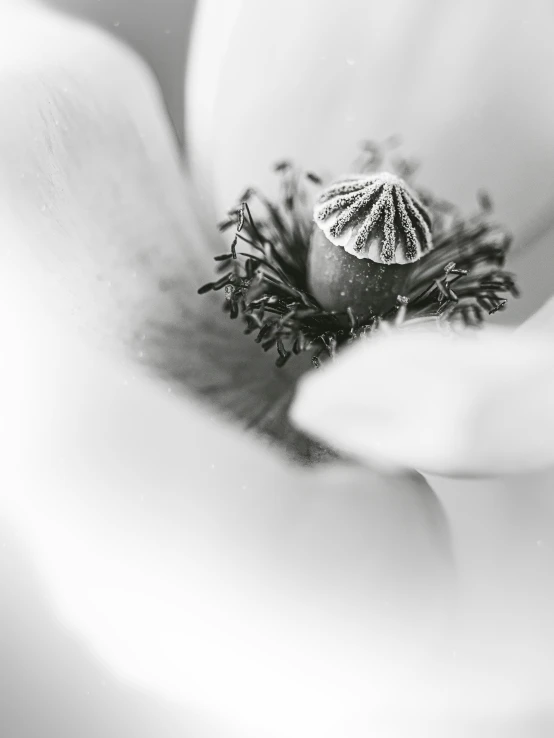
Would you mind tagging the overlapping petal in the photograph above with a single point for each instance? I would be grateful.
(477, 404)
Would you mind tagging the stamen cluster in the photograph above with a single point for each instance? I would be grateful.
(461, 280)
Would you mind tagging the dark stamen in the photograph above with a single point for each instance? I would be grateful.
(267, 284)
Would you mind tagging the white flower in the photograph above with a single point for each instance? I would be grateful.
(188, 556)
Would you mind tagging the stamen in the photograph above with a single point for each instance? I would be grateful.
(266, 284)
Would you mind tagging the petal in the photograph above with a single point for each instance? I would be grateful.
(501, 421)
(107, 228)
(503, 535)
(478, 404)
(176, 546)
(203, 587)
(47, 669)
(201, 565)
(467, 87)
(158, 30)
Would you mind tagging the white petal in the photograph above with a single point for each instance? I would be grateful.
(200, 564)
(174, 545)
(467, 87)
(472, 405)
(503, 533)
(319, 559)
(107, 228)
(91, 171)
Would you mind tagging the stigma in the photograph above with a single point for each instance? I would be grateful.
(375, 217)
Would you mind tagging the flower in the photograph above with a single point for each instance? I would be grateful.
(455, 84)
(185, 553)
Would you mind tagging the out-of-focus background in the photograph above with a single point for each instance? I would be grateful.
(158, 30)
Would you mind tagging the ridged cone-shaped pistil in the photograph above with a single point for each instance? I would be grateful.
(368, 232)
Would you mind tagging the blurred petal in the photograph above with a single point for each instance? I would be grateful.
(191, 558)
(503, 537)
(106, 226)
(159, 30)
(200, 565)
(477, 404)
(502, 527)
(50, 684)
(195, 563)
